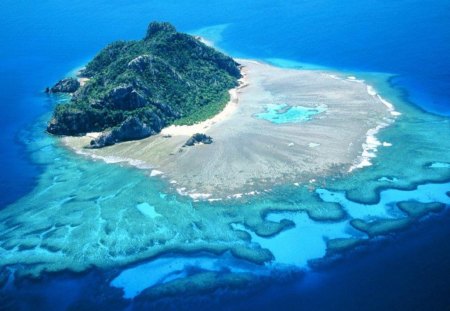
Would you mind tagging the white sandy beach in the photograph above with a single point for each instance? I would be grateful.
(227, 112)
(251, 154)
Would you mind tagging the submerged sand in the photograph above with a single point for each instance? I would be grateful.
(249, 153)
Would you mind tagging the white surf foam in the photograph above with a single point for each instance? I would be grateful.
(155, 173)
(200, 196)
(370, 146)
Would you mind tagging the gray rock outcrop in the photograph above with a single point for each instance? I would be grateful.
(66, 85)
(131, 129)
(124, 98)
(198, 138)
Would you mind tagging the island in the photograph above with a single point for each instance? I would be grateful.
(214, 127)
(259, 182)
(133, 89)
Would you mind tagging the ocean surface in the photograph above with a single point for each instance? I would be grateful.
(43, 41)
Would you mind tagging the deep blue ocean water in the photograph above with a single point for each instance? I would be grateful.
(42, 41)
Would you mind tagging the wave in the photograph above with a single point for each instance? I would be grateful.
(370, 146)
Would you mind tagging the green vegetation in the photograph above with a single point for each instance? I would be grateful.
(166, 78)
(205, 112)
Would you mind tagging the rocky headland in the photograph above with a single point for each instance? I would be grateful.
(66, 85)
(132, 89)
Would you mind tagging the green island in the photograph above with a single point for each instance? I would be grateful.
(299, 169)
(133, 89)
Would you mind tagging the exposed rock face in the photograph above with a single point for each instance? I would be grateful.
(131, 129)
(72, 123)
(197, 139)
(136, 87)
(125, 98)
(67, 85)
(141, 63)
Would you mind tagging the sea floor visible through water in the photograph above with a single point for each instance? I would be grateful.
(93, 234)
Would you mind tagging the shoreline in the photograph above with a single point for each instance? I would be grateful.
(203, 126)
(370, 146)
(242, 107)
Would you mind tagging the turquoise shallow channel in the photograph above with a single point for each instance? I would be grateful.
(282, 113)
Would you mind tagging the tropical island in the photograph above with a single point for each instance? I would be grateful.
(168, 97)
(296, 139)
(133, 89)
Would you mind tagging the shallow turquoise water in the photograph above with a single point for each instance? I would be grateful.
(282, 113)
(88, 213)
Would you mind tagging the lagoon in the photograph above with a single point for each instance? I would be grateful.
(282, 113)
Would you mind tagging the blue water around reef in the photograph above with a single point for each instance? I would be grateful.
(404, 272)
(282, 113)
(42, 41)
(396, 273)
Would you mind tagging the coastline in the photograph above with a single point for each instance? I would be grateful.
(204, 126)
(357, 152)
(108, 229)
(370, 146)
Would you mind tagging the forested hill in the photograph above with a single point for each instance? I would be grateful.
(135, 88)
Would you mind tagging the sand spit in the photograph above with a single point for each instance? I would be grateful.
(250, 154)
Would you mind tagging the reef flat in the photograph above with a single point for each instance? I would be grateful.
(321, 125)
(87, 215)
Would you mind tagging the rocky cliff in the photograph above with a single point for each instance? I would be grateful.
(135, 88)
